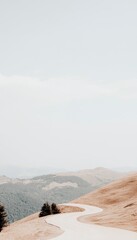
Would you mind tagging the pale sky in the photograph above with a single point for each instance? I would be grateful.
(68, 83)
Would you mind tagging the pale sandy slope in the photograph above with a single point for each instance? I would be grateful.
(34, 228)
(64, 227)
(30, 228)
(119, 201)
(73, 229)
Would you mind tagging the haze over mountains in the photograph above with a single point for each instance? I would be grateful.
(23, 197)
(26, 172)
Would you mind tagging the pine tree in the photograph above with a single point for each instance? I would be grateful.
(54, 208)
(45, 210)
(3, 218)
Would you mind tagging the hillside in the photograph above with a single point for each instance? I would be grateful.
(119, 201)
(22, 197)
(33, 227)
(30, 228)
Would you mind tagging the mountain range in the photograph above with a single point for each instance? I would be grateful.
(118, 200)
(22, 197)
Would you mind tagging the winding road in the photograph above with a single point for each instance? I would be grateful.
(75, 230)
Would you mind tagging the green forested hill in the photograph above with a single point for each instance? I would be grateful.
(24, 197)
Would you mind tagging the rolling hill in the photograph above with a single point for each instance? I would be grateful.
(119, 201)
(22, 197)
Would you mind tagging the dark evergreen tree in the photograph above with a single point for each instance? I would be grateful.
(3, 218)
(45, 210)
(54, 208)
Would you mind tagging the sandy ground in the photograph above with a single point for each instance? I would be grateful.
(34, 228)
(31, 228)
(119, 201)
(70, 209)
(73, 229)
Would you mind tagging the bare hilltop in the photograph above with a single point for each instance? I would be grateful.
(119, 201)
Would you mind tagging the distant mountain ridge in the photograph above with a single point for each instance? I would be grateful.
(23, 197)
(95, 176)
(26, 172)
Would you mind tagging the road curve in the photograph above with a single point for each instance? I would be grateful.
(75, 230)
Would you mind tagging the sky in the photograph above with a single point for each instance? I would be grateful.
(68, 83)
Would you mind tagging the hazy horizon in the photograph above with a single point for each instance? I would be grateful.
(20, 172)
(68, 84)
